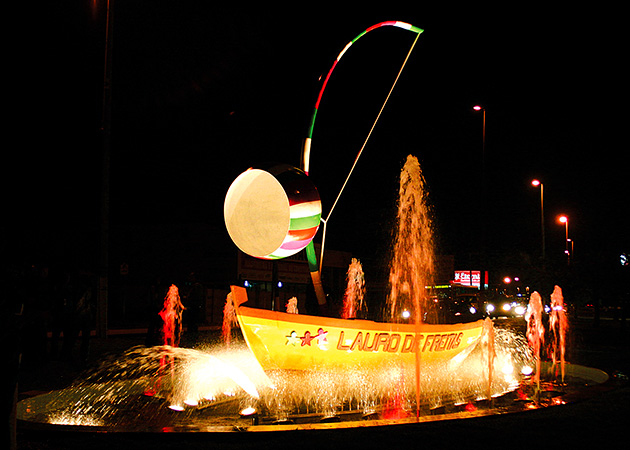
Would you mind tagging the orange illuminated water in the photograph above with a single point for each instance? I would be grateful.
(412, 264)
(355, 291)
(558, 326)
(229, 320)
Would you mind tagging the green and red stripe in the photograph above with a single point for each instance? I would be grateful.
(309, 137)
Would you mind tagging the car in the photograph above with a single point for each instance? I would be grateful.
(505, 307)
(449, 310)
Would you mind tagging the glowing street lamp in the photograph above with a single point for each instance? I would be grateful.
(483, 186)
(565, 220)
(537, 183)
(481, 108)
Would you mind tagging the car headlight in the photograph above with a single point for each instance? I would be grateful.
(506, 307)
(520, 310)
(489, 307)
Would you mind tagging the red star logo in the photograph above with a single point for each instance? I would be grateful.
(307, 338)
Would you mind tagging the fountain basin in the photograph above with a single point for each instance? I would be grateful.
(137, 412)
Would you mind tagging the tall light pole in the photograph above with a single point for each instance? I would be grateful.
(102, 299)
(537, 183)
(483, 154)
(565, 220)
(483, 194)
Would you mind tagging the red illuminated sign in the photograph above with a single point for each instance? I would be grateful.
(468, 277)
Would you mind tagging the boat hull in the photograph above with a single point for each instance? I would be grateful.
(303, 342)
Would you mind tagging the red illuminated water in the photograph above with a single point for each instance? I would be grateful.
(535, 330)
(558, 323)
(171, 315)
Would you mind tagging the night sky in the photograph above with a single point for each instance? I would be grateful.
(201, 92)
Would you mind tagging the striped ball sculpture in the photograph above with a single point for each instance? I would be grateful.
(272, 212)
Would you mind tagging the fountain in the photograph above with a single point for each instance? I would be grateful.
(290, 371)
(211, 389)
(558, 323)
(412, 263)
(227, 387)
(535, 330)
(355, 291)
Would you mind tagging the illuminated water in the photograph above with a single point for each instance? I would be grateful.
(171, 315)
(355, 291)
(207, 388)
(136, 383)
(559, 324)
(412, 262)
(535, 330)
(204, 389)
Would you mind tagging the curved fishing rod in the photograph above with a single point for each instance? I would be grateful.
(306, 150)
(314, 268)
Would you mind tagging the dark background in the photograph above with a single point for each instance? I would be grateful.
(202, 90)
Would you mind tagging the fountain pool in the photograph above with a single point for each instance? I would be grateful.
(211, 389)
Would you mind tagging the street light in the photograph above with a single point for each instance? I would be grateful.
(537, 183)
(483, 190)
(565, 220)
(481, 108)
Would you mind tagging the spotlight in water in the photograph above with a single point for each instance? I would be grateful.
(527, 370)
(250, 413)
(470, 407)
(191, 402)
(176, 407)
(489, 308)
(406, 314)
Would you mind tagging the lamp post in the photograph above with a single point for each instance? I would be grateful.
(565, 220)
(483, 155)
(537, 183)
(483, 192)
(102, 298)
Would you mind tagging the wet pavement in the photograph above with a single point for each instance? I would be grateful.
(601, 420)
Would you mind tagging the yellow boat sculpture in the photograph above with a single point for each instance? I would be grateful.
(301, 342)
